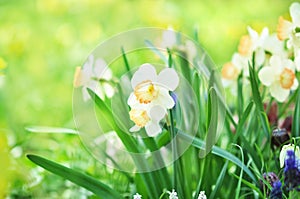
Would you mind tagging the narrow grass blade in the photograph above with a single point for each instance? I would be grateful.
(83, 180)
(219, 181)
(48, 129)
(258, 101)
(249, 184)
(238, 189)
(243, 119)
(200, 144)
(126, 62)
(240, 98)
(296, 117)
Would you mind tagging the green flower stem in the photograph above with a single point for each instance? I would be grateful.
(174, 149)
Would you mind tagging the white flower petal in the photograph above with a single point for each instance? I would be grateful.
(85, 94)
(295, 13)
(168, 78)
(145, 72)
(99, 68)
(87, 68)
(266, 76)
(164, 99)
(278, 92)
(239, 61)
(153, 129)
(264, 34)
(253, 34)
(108, 89)
(96, 88)
(132, 99)
(295, 85)
(157, 113)
(276, 63)
(260, 56)
(135, 128)
(287, 63)
(168, 38)
(297, 61)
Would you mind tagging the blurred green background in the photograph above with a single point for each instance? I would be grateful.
(41, 43)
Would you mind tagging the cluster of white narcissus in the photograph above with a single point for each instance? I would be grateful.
(276, 55)
(173, 195)
(150, 98)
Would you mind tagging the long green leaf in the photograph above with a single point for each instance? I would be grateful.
(258, 101)
(296, 118)
(48, 129)
(244, 117)
(76, 177)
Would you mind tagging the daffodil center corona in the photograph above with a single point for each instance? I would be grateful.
(139, 117)
(245, 45)
(287, 78)
(229, 71)
(145, 92)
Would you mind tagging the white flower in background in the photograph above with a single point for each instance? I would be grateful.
(168, 38)
(275, 46)
(150, 99)
(288, 29)
(279, 77)
(297, 59)
(254, 43)
(90, 76)
(286, 148)
(173, 194)
(231, 70)
(202, 195)
(137, 196)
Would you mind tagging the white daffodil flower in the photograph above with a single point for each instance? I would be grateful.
(287, 29)
(150, 99)
(279, 77)
(202, 195)
(254, 43)
(137, 196)
(148, 118)
(168, 38)
(286, 148)
(90, 75)
(152, 88)
(231, 70)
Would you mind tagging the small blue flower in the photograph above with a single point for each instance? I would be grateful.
(291, 172)
(276, 192)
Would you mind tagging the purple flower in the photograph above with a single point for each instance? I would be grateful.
(291, 172)
(276, 192)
